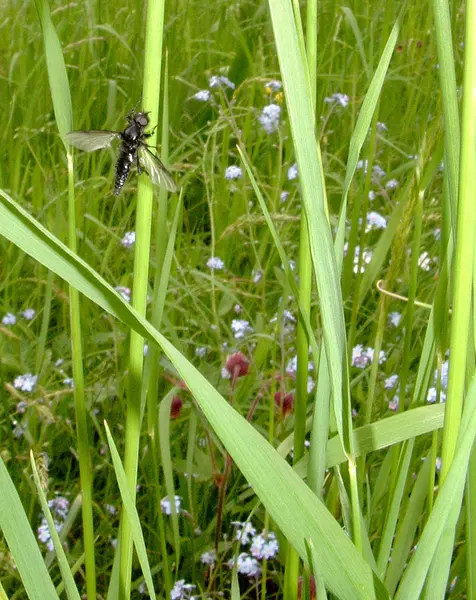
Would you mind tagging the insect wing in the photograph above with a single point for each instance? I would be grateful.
(91, 140)
(156, 169)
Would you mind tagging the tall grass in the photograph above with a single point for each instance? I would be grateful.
(358, 514)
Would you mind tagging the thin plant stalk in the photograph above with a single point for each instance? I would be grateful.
(61, 97)
(151, 95)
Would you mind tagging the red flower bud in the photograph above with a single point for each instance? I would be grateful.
(176, 407)
(237, 365)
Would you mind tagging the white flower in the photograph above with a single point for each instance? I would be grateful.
(200, 352)
(391, 184)
(9, 319)
(202, 95)
(215, 263)
(166, 506)
(338, 98)
(269, 117)
(209, 557)
(424, 261)
(284, 196)
(293, 172)
(375, 221)
(129, 239)
(310, 384)
(371, 195)
(240, 327)
(111, 509)
(437, 233)
(69, 381)
(233, 172)
(381, 126)
(394, 318)
(28, 314)
(181, 590)
(217, 81)
(26, 382)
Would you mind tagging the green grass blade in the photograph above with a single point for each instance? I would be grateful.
(445, 510)
(68, 580)
(22, 543)
(57, 74)
(131, 513)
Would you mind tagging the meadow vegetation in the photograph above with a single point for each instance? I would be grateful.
(272, 345)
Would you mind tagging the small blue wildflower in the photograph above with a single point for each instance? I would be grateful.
(215, 263)
(233, 172)
(217, 81)
(269, 118)
(202, 95)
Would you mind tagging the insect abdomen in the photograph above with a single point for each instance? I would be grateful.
(123, 166)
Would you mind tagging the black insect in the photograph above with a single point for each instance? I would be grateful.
(133, 150)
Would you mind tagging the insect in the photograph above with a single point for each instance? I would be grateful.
(133, 151)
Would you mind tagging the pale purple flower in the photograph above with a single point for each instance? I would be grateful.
(248, 565)
(284, 196)
(129, 239)
(269, 118)
(424, 261)
(26, 382)
(28, 314)
(375, 221)
(394, 318)
(274, 85)
(9, 319)
(390, 382)
(394, 403)
(391, 184)
(377, 172)
(338, 98)
(69, 381)
(215, 263)
(217, 81)
(293, 172)
(111, 509)
(166, 505)
(202, 95)
(256, 275)
(123, 291)
(240, 328)
(233, 172)
(209, 557)
(244, 531)
(371, 195)
(264, 546)
(181, 590)
(361, 357)
(200, 352)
